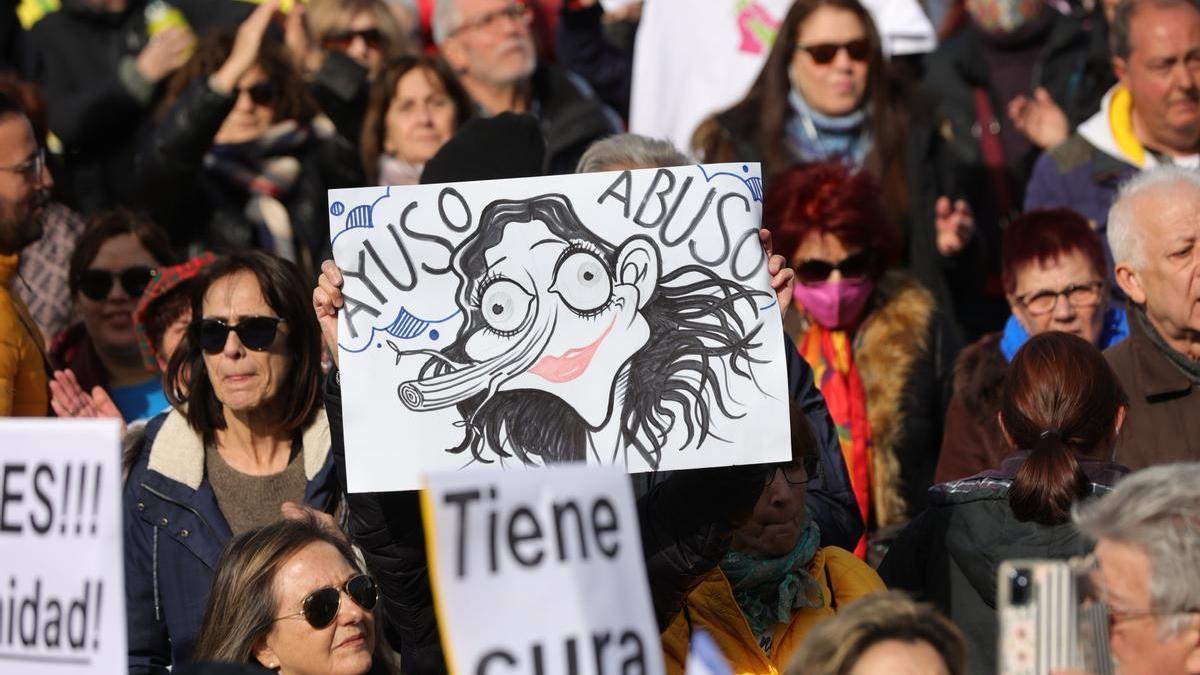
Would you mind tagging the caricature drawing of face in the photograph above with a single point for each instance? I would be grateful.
(590, 316)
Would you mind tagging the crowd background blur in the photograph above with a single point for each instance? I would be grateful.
(966, 202)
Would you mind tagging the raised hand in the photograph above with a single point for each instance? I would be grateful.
(783, 277)
(164, 53)
(955, 226)
(246, 44)
(68, 399)
(1039, 119)
(327, 300)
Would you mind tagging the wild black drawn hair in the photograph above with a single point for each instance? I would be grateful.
(672, 380)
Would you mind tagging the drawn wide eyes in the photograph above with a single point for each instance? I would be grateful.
(504, 305)
(583, 282)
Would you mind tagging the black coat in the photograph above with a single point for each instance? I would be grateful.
(950, 554)
(686, 520)
(97, 104)
(947, 156)
(571, 117)
(202, 211)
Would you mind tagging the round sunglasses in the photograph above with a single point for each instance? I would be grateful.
(815, 270)
(97, 284)
(826, 52)
(256, 333)
(321, 607)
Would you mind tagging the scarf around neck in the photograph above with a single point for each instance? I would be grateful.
(266, 169)
(813, 137)
(770, 590)
(394, 171)
(1189, 367)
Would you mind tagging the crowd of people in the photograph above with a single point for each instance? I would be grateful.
(986, 258)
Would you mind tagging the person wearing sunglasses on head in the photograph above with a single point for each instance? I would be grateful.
(878, 345)
(114, 260)
(1055, 278)
(247, 434)
(241, 157)
(290, 597)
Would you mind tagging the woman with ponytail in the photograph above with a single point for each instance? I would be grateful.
(1060, 411)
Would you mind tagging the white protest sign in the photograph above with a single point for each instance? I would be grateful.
(62, 578)
(616, 318)
(538, 572)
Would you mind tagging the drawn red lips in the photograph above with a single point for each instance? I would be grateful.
(572, 363)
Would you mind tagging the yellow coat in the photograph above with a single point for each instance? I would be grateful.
(713, 608)
(23, 385)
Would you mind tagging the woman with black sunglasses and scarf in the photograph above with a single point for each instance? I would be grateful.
(879, 348)
(247, 434)
(241, 156)
(113, 262)
(291, 597)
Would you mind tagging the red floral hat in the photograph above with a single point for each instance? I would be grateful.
(166, 279)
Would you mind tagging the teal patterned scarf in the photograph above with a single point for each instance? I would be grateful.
(770, 590)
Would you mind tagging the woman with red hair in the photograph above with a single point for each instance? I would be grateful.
(878, 346)
(1055, 277)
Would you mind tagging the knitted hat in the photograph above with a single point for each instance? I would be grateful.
(487, 148)
(166, 280)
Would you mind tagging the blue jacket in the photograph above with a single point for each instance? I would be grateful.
(175, 532)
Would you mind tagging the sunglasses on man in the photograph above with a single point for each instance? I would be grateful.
(97, 284)
(256, 333)
(825, 52)
(321, 607)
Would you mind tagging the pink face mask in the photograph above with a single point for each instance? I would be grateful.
(834, 304)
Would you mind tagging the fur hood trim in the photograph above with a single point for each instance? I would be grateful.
(178, 451)
(887, 348)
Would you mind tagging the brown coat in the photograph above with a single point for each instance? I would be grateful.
(1163, 424)
(971, 440)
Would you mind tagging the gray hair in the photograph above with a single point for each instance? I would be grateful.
(1124, 240)
(1156, 510)
(1119, 33)
(630, 150)
(445, 20)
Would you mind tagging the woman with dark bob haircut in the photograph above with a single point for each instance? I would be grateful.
(241, 157)
(291, 597)
(247, 433)
(415, 107)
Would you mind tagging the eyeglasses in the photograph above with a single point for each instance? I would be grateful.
(97, 284)
(802, 472)
(814, 270)
(1094, 597)
(30, 169)
(321, 606)
(516, 12)
(826, 52)
(261, 93)
(256, 333)
(341, 40)
(1079, 295)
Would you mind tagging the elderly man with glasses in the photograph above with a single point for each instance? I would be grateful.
(1154, 234)
(1147, 555)
(490, 45)
(24, 186)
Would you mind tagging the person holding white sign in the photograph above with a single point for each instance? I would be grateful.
(247, 434)
(290, 597)
(776, 581)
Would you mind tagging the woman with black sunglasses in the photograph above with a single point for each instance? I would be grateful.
(113, 262)
(241, 156)
(291, 597)
(874, 337)
(247, 434)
